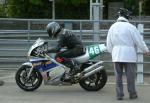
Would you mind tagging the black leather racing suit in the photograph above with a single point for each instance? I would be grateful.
(71, 42)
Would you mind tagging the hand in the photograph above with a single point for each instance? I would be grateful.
(147, 53)
(41, 52)
(44, 52)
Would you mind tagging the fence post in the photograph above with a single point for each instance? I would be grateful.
(140, 59)
(29, 28)
(96, 18)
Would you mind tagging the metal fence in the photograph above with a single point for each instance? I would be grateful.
(17, 35)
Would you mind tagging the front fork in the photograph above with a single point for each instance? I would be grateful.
(30, 72)
(31, 69)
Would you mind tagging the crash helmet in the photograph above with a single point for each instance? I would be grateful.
(53, 29)
(124, 13)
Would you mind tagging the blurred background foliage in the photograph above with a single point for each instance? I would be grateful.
(64, 9)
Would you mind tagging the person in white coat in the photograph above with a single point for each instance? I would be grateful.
(123, 39)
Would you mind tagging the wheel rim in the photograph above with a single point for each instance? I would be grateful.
(93, 80)
(30, 82)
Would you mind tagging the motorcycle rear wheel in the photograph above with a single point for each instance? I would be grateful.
(31, 83)
(94, 82)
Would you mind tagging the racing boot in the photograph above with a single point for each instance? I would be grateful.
(74, 67)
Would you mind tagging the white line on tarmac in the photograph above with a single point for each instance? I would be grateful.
(144, 84)
(6, 77)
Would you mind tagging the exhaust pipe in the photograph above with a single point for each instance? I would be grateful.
(92, 72)
(88, 69)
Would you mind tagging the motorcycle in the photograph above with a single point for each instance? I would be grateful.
(42, 67)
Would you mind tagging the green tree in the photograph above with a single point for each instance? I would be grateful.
(132, 5)
(146, 8)
(28, 8)
(1, 11)
(43, 9)
(129, 4)
(65, 9)
(76, 9)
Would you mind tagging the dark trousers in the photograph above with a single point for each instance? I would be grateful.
(70, 53)
(130, 74)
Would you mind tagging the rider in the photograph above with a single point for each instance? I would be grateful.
(65, 39)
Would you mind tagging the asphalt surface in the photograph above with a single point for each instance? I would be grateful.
(11, 93)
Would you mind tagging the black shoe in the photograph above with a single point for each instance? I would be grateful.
(120, 98)
(1, 83)
(74, 70)
(77, 69)
(133, 97)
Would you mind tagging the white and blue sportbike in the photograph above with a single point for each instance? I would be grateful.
(42, 67)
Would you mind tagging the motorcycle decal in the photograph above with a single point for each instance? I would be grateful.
(93, 50)
(49, 65)
(48, 62)
(37, 64)
(43, 65)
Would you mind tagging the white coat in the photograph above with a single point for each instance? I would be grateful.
(123, 39)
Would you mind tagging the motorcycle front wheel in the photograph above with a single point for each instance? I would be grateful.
(94, 82)
(31, 83)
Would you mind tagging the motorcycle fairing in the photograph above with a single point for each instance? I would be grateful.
(43, 65)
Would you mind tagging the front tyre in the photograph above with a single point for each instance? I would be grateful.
(28, 84)
(94, 82)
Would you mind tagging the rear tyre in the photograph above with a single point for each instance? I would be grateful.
(28, 84)
(94, 82)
